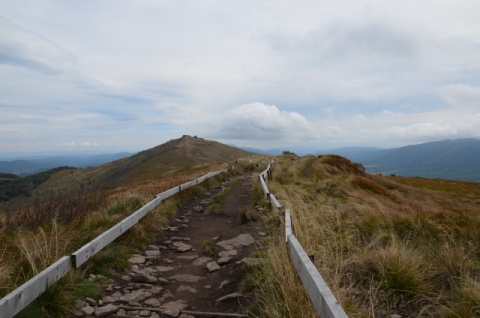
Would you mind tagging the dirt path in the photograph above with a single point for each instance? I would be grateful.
(195, 266)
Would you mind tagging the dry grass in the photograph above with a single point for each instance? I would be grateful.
(28, 251)
(385, 245)
(281, 293)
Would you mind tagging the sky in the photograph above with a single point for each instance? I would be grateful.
(130, 75)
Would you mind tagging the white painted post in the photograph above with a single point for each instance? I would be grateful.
(288, 225)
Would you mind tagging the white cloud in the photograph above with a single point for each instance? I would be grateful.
(27, 49)
(258, 121)
(461, 95)
(392, 129)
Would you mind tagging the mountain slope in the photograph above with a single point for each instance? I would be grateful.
(448, 159)
(178, 154)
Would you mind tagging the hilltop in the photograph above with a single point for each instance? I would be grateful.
(177, 154)
(183, 154)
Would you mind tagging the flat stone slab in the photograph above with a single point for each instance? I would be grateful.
(198, 209)
(163, 269)
(237, 242)
(227, 253)
(187, 278)
(88, 310)
(152, 302)
(152, 253)
(182, 247)
(224, 260)
(187, 257)
(173, 308)
(106, 310)
(137, 259)
(213, 267)
(202, 261)
(186, 288)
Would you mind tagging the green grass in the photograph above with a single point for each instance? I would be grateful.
(217, 200)
(207, 247)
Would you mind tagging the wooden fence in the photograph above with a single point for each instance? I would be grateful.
(18, 299)
(320, 294)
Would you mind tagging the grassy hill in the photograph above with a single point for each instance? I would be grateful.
(184, 154)
(70, 207)
(178, 154)
(385, 245)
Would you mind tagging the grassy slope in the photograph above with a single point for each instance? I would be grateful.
(186, 152)
(385, 245)
(28, 250)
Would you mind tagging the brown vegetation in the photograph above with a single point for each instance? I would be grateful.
(385, 245)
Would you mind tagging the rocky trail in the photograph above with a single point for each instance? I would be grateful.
(194, 269)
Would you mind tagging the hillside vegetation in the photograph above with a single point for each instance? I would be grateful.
(186, 152)
(73, 206)
(385, 245)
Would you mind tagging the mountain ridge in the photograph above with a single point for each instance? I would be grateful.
(455, 159)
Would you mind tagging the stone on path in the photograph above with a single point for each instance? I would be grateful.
(201, 261)
(186, 278)
(106, 310)
(227, 253)
(163, 269)
(186, 288)
(182, 247)
(144, 313)
(237, 242)
(88, 310)
(152, 253)
(173, 308)
(153, 302)
(213, 266)
(137, 259)
(198, 209)
(187, 257)
(108, 299)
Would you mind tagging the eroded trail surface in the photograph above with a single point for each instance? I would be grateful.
(194, 267)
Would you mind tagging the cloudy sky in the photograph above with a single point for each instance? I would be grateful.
(130, 75)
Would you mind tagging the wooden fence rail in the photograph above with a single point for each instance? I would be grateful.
(320, 294)
(21, 297)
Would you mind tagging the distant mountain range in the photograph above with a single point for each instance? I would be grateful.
(457, 159)
(27, 165)
(184, 154)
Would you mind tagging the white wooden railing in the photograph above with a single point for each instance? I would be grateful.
(320, 294)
